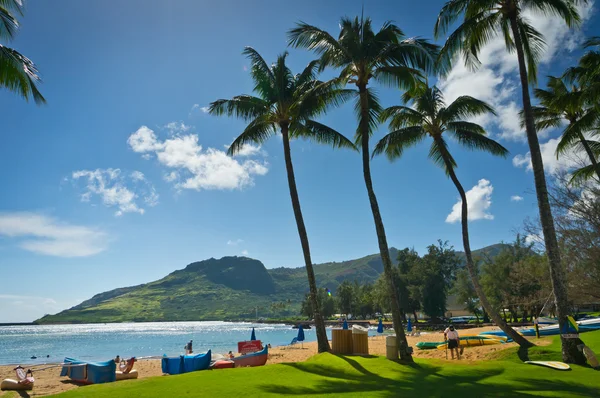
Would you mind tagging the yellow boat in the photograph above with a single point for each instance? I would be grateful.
(472, 343)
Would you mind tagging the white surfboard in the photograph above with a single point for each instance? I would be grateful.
(550, 364)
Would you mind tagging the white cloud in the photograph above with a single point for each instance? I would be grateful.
(496, 81)
(177, 127)
(248, 150)
(45, 235)
(197, 107)
(172, 176)
(479, 200)
(244, 252)
(552, 164)
(204, 169)
(235, 242)
(118, 190)
(516, 198)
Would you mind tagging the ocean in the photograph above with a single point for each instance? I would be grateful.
(100, 342)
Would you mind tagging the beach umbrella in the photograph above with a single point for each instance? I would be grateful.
(300, 337)
(345, 325)
(253, 335)
(380, 326)
(408, 326)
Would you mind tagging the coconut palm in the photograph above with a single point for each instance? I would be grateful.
(482, 21)
(391, 59)
(287, 103)
(558, 105)
(426, 115)
(17, 72)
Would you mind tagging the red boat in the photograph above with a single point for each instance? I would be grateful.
(255, 359)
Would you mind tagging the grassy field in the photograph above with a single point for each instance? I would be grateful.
(502, 376)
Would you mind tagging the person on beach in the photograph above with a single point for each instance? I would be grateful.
(231, 356)
(453, 341)
(188, 348)
(118, 359)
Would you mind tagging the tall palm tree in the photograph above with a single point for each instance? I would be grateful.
(287, 103)
(389, 58)
(17, 72)
(558, 104)
(430, 117)
(482, 21)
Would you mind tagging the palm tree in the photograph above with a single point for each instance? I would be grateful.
(17, 72)
(482, 21)
(288, 103)
(430, 117)
(558, 104)
(390, 59)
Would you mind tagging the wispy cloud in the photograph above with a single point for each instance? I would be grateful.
(516, 198)
(197, 108)
(203, 169)
(235, 242)
(479, 200)
(23, 308)
(117, 189)
(244, 252)
(45, 235)
(177, 127)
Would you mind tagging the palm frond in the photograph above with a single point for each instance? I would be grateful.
(465, 107)
(449, 13)
(439, 153)
(476, 141)
(401, 116)
(582, 174)
(319, 98)
(394, 143)
(371, 120)
(8, 23)
(402, 77)
(320, 133)
(565, 9)
(544, 118)
(313, 38)
(262, 74)
(308, 74)
(19, 75)
(258, 131)
(245, 107)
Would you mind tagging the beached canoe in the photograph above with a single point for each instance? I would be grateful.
(472, 343)
(255, 359)
(126, 376)
(186, 363)
(586, 325)
(89, 372)
(430, 345)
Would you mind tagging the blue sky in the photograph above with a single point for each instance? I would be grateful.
(121, 178)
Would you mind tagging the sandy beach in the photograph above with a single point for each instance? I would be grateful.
(48, 382)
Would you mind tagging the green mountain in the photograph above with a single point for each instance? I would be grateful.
(230, 288)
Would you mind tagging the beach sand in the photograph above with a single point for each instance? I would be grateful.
(48, 382)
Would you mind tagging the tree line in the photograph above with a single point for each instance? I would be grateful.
(362, 56)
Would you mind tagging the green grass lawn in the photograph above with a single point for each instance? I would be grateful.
(503, 376)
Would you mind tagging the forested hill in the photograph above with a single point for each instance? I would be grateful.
(223, 289)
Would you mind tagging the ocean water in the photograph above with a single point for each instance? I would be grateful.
(100, 342)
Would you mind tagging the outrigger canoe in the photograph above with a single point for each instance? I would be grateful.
(430, 345)
(258, 358)
(472, 343)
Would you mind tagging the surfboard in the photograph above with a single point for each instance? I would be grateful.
(550, 364)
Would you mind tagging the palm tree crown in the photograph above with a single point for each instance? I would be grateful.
(484, 19)
(284, 100)
(17, 72)
(387, 56)
(429, 116)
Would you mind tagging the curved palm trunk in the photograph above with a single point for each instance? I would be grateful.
(495, 315)
(570, 353)
(590, 154)
(323, 343)
(405, 355)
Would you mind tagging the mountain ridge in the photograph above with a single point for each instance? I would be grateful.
(231, 288)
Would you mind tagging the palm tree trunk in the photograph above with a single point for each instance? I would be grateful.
(405, 355)
(495, 315)
(323, 343)
(570, 353)
(590, 154)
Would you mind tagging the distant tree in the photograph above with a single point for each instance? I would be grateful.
(289, 104)
(345, 297)
(326, 303)
(465, 293)
(438, 268)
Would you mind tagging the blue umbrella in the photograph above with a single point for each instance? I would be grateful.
(409, 326)
(253, 335)
(345, 325)
(300, 337)
(380, 326)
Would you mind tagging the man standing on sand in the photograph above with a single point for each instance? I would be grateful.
(451, 336)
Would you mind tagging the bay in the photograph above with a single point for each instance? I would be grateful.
(100, 342)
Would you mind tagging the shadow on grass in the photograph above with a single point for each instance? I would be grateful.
(419, 380)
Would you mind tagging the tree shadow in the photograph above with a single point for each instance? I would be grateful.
(418, 380)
